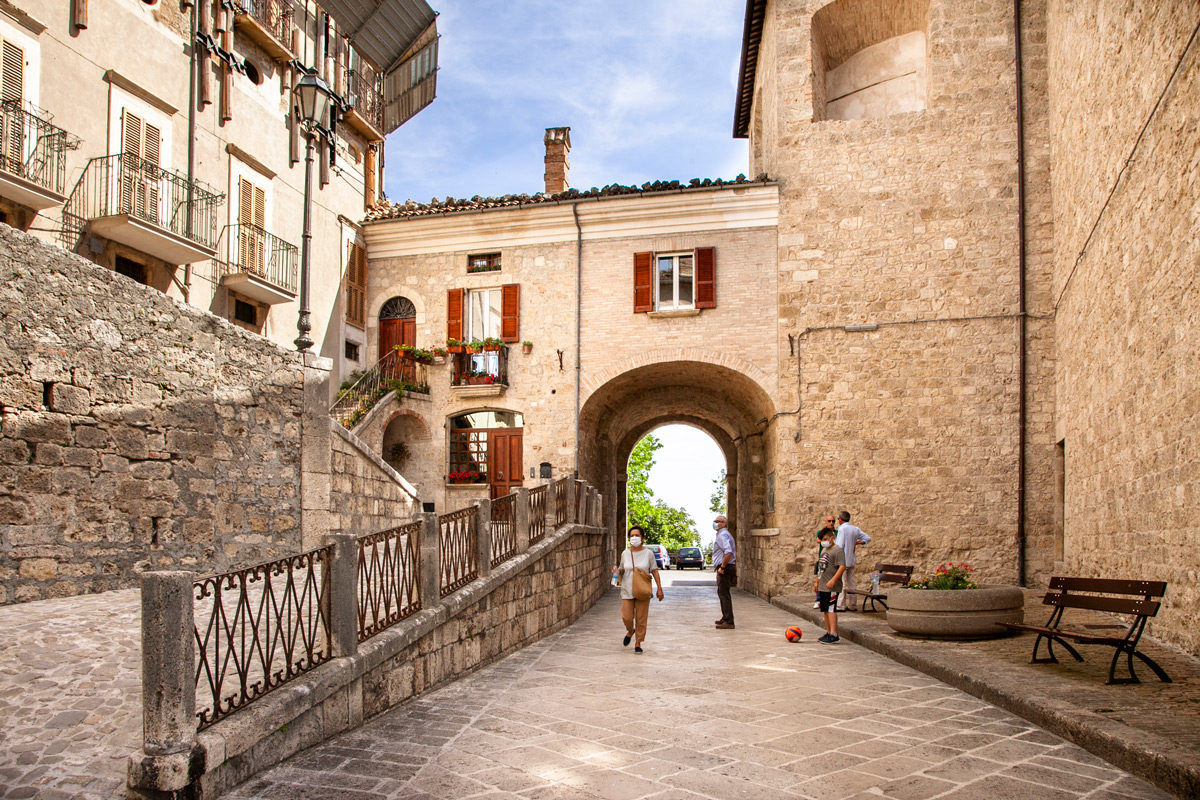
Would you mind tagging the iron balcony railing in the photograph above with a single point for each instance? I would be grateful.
(411, 87)
(32, 147)
(363, 95)
(396, 371)
(458, 555)
(277, 17)
(253, 251)
(125, 183)
(503, 529)
(537, 514)
(389, 578)
(485, 368)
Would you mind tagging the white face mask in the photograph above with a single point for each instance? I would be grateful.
(716, 526)
(825, 543)
(635, 541)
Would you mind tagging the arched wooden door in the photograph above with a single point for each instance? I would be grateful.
(397, 324)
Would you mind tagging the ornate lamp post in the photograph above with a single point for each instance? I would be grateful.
(311, 96)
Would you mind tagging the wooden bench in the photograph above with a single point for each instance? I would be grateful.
(888, 573)
(1098, 594)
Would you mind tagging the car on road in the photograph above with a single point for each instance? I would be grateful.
(689, 557)
(661, 559)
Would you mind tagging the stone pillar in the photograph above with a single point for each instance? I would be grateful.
(170, 756)
(343, 595)
(572, 488)
(430, 561)
(549, 509)
(521, 519)
(558, 146)
(483, 536)
(316, 458)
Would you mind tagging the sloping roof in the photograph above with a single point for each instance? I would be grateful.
(382, 30)
(751, 36)
(451, 205)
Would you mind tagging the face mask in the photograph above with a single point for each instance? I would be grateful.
(635, 541)
(825, 543)
(716, 526)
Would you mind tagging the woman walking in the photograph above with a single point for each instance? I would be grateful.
(636, 569)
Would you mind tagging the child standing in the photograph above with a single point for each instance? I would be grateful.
(829, 583)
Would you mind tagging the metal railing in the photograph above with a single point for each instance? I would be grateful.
(484, 368)
(392, 372)
(560, 501)
(258, 628)
(389, 584)
(364, 96)
(125, 183)
(537, 514)
(277, 17)
(33, 148)
(503, 529)
(411, 87)
(458, 555)
(253, 251)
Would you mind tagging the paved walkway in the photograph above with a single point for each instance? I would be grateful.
(703, 714)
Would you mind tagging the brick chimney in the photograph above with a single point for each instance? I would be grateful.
(558, 146)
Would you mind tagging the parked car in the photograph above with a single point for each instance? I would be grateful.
(689, 557)
(660, 555)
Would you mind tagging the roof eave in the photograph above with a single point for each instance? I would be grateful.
(747, 73)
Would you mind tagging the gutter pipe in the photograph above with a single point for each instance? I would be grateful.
(578, 322)
(1022, 376)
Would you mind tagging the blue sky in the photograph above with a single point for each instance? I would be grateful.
(647, 89)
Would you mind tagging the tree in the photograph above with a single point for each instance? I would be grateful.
(670, 527)
(716, 503)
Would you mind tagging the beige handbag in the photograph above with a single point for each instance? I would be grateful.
(642, 585)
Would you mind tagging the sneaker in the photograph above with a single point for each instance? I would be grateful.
(725, 626)
(638, 650)
(829, 639)
(626, 640)
(816, 605)
(824, 638)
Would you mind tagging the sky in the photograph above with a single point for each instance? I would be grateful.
(648, 90)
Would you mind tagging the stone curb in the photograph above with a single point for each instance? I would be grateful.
(1161, 762)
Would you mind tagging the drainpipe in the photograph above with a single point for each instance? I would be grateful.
(191, 151)
(1021, 369)
(578, 322)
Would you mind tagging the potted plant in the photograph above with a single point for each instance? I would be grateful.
(949, 605)
(455, 346)
(474, 346)
(526, 347)
(465, 477)
(492, 343)
(399, 453)
(439, 355)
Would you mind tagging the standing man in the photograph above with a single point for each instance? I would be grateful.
(724, 558)
(848, 537)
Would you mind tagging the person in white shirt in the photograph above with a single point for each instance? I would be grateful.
(848, 537)
(724, 559)
(634, 612)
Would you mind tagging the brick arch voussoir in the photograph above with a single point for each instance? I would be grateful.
(590, 384)
(406, 412)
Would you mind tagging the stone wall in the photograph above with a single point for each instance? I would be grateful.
(1126, 296)
(366, 494)
(138, 432)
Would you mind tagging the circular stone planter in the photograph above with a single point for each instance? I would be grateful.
(955, 613)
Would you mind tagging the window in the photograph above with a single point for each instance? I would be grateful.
(675, 281)
(356, 286)
(483, 313)
(470, 435)
(483, 263)
(141, 149)
(131, 269)
(351, 351)
(252, 224)
(245, 312)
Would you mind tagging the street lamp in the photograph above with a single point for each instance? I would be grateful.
(311, 96)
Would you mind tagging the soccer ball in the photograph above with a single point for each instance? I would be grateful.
(793, 633)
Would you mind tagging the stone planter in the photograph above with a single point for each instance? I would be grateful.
(955, 613)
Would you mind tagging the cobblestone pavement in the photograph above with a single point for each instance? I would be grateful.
(703, 714)
(70, 696)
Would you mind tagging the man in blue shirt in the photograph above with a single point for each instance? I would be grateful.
(724, 558)
(848, 537)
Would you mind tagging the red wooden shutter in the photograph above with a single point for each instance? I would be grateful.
(706, 277)
(454, 314)
(510, 312)
(643, 282)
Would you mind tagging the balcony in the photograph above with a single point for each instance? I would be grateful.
(365, 101)
(33, 163)
(480, 374)
(130, 200)
(259, 265)
(269, 24)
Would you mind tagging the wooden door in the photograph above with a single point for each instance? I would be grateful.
(505, 466)
(393, 332)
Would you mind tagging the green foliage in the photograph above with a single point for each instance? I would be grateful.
(671, 527)
(716, 503)
(947, 576)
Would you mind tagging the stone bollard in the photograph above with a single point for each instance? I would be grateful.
(430, 560)
(572, 488)
(343, 595)
(171, 760)
(521, 520)
(550, 509)
(483, 538)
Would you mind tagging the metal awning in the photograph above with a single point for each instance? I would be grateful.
(381, 30)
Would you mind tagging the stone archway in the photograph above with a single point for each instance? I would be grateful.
(725, 403)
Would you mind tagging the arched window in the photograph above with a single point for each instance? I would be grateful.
(398, 308)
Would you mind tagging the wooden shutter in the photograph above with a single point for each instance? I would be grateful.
(706, 277)
(131, 147)
(12, 90)
(510, 312)
(151, 159)
(643, 282)
(454, 314)
(252, 213)
(356, 287)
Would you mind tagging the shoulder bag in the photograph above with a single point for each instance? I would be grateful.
(642, 586)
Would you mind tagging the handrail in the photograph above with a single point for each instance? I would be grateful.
(395, 372)
(252, 250)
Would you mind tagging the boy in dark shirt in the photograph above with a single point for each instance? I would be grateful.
(829, 583)
(830, 525)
